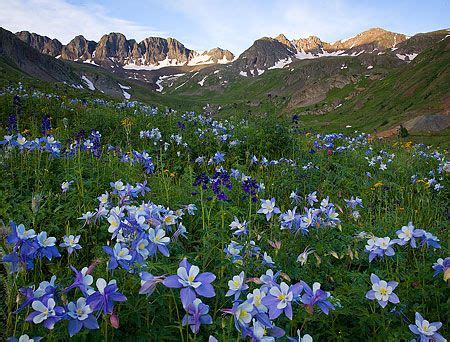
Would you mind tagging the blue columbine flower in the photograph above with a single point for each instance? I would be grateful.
(24, 338)
(379, 247)
(316, 296)
(259, 332)
(71, 243)
(191, 281)
(236, 286)
(83, 281)
(218, 158)
(149, 282)
(425, 330)
(408, 234)
(118, 256)
(47, 246)
(104, 298)
(442, 266)
(428, 239)
(382, 291)
(45, 312)
(80, 315)
(268, 208)
(239, 227)
(196, 314)
(280, 298)
(158, 241)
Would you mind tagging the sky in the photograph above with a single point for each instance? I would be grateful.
(229, 24)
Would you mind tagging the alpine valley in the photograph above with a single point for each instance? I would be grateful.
(374, 81)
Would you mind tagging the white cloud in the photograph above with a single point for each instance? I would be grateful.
(62, 20)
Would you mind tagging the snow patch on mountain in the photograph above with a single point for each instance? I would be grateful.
(410, 56)
(202, 82)
(281, 63)
(88, 82)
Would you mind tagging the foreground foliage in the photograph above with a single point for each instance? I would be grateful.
(124, 221)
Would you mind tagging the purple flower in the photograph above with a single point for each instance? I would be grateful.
(269, 280)
(104, 298)
(279, 299)
(43, 292)
(268, 208)
(46, 312)
(196, 314)
(66, 185)
(24, 248)
(236, 286)
(316, 296)
(80, 315)
(191, 281)
(382, 291)
(425, 330)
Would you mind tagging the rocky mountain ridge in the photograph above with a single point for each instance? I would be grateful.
(272, 53)
(115, 50)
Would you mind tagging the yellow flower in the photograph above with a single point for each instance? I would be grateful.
(127, 122)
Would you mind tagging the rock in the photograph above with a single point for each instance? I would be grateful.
(43, 44)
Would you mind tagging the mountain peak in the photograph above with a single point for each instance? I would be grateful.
(283, 40)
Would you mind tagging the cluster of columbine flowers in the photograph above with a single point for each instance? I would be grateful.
(222, 131)
(27, 246)
(407, 235)
(432, 180)
(382, 160)
(323, 216)
(383, 292)
(263, 161)
(192, 285)
(255, 314)
(237, 251)
(353, 204)
(339, 142)
(137, 232)
(50, 306)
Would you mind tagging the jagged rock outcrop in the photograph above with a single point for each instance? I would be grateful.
(43, 44)
(114, 49)
(78, 48)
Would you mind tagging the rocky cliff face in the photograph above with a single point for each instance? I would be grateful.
(43, 44)
(32, 62)
(115, 49)
(78, 48)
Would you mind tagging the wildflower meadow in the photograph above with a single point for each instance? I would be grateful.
(122, 221)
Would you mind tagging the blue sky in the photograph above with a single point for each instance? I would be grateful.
(230, 24)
